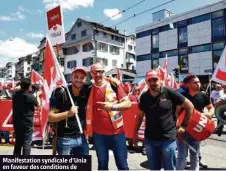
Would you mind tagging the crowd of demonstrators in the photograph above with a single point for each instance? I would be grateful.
(99, 106)
(6, 91)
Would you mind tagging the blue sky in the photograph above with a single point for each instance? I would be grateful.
(23, 22)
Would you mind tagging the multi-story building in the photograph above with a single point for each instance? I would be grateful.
(10, 71)
(194, 40)
(23, 67)
(89, 42)
(39, 62)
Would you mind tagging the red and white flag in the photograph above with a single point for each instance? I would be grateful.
(219, 74)
(52, 71)
(36, 78)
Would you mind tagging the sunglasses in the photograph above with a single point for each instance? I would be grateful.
(95, 72)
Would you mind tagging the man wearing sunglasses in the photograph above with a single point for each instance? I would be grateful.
(104, 119)
(158, 104)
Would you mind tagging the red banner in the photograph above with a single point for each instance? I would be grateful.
(6, 123)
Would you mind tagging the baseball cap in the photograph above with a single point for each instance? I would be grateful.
(81, 69)
(151, 74)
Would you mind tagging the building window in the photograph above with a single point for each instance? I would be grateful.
(183, 23)
(169, 53)
(200, 19)
(114, 50)
(216, 57)
(218, 45)
(183, 34)
(116, 38)
(87, 47)
(218, 27)
(130, 56)
(71, 64)
(87, 62)
(143, 34)
(155, 56)
(61, 61)
(114, 63)
(130, 47)
(104, 61)
(70, 50)
(96, 32)
(217, 14)
(105, 35)
(155, 63)
(83, 33)
(155, 41)
(73, 36)
(79, 23)
(183, 62)
(201, 48)
(144, 57)
(183, 51)
(112, 37)
(28, 68)
(102, 47)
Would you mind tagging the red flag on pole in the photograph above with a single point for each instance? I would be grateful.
(52, 74)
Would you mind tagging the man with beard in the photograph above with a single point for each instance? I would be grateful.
(69, 139)
(104, 119)
(158, 104)
(200, 100)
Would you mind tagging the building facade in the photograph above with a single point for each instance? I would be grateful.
(193, 40)
(10, 71)
(89, 42)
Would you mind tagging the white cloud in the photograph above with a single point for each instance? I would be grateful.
(6, 18)
(15, 48)
(13, 16)
(68, 4)
(35, 35)
(112, 12)
(20, 8)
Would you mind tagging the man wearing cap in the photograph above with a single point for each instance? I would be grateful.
(200, 100)
(104, 119)
(69, 139)
(158, 104)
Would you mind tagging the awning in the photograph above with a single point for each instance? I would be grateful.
(138, 79)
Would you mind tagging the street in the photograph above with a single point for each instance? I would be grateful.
(213, 152)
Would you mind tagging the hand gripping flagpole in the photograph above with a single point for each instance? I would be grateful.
(64, 82)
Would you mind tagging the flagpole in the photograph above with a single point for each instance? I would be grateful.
(64, 83)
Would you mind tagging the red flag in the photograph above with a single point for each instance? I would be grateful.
(51, 70)
(36, 78)
(219, 74)
(119, 75)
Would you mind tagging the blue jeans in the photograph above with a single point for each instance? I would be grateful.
(183, 152)
(158, 151)
(72, 146)
(117, 143)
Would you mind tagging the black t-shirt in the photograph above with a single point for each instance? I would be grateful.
(160, 114)
(200, 100)
(23, 109)
(62, 103)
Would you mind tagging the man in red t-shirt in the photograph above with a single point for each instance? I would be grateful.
(108, 99)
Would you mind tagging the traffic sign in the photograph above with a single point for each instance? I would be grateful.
(208, 71)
